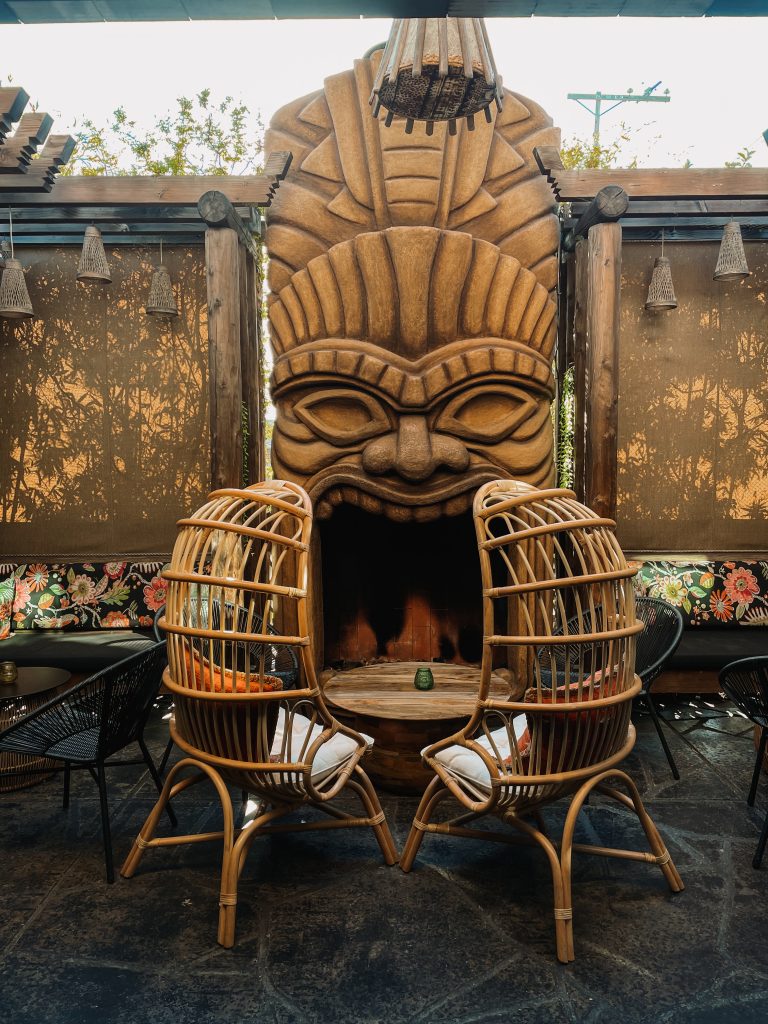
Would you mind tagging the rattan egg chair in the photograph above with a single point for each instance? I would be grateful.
(556, 590)
(239, 563)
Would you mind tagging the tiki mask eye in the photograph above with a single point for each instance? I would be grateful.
(489, 414)
(343, 417)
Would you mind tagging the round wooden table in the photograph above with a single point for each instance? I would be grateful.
(381, 701)
(34, 686)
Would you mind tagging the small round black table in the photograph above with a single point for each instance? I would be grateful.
(34, 686)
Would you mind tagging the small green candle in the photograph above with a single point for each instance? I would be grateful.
(424, 680)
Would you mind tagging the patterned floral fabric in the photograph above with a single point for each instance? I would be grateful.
(7, 591)
(709, 594)
(89, 595)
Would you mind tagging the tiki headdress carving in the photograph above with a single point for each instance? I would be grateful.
(412, 323)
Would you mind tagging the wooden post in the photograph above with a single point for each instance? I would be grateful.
(258, 398)
(579, 365)
(224, 366)
(248, 356)
(602, 366)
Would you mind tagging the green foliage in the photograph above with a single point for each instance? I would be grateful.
(743, 158)
(565, 433)
(197, 137)
(582, 154)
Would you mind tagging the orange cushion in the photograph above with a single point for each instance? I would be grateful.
(552, 728)
(218, 682)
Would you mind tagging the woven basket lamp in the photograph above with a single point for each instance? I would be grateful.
(15, 303)
(437, 69)
(661, 293)
(161, 301)
(731, 260)
(93, 264)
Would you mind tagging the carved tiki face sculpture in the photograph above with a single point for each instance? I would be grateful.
(412, 359)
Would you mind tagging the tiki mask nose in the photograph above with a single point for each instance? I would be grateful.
(413, 453)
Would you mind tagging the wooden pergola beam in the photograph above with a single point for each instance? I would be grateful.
(698, 208)
(31, 133)
(710, 183)
(12, 104)
(34, 187)
(80, 190)
(217, 212)
(609, 204)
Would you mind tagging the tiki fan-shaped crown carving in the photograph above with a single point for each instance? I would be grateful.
(352, 175)
(411, 291)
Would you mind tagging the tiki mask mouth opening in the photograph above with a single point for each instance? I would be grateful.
(390, 496)
(399, 591)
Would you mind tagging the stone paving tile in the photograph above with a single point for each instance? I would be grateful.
(327, 933)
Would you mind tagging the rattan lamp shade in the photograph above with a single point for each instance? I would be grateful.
(661, 293)
(161, 300)
(15, 303)
(437, 69)
(93, 264)
(731, 260)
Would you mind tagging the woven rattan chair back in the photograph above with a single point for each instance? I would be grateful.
(557, 594)
(237, 594)
(554, 572)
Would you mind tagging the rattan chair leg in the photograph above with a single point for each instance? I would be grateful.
(758, 766)
(651, 705)
(434, 792)
(105, 829)
(561, 888)
(366, 792)
(145, 838)
(67, 781)
(633, 802)
(156, 779)
(230, 874)
(758, 857)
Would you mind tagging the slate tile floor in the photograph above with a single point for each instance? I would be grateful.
(326, 933)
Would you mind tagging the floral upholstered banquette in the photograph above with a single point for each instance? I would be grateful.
(81, 616)
(85, 595)
(724, 604)
(710, 594)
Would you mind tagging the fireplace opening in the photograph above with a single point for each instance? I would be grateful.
(400, 591)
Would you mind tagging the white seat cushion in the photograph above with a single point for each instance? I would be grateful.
(467, 765)
(331, 755)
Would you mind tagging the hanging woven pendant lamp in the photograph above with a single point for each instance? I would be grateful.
(161, 300)
(731, 260)
(15, 303)
(661, 293)
(93, 264)
(437, 69)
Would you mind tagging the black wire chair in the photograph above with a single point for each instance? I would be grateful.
(91, 722)
(655, 646)
(746, 683)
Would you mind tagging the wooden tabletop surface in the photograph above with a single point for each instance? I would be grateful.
(387, 691)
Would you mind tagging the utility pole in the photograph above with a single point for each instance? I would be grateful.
(615, 100)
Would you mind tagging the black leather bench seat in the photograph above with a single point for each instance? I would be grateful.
(713, 649)
(77, 651)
